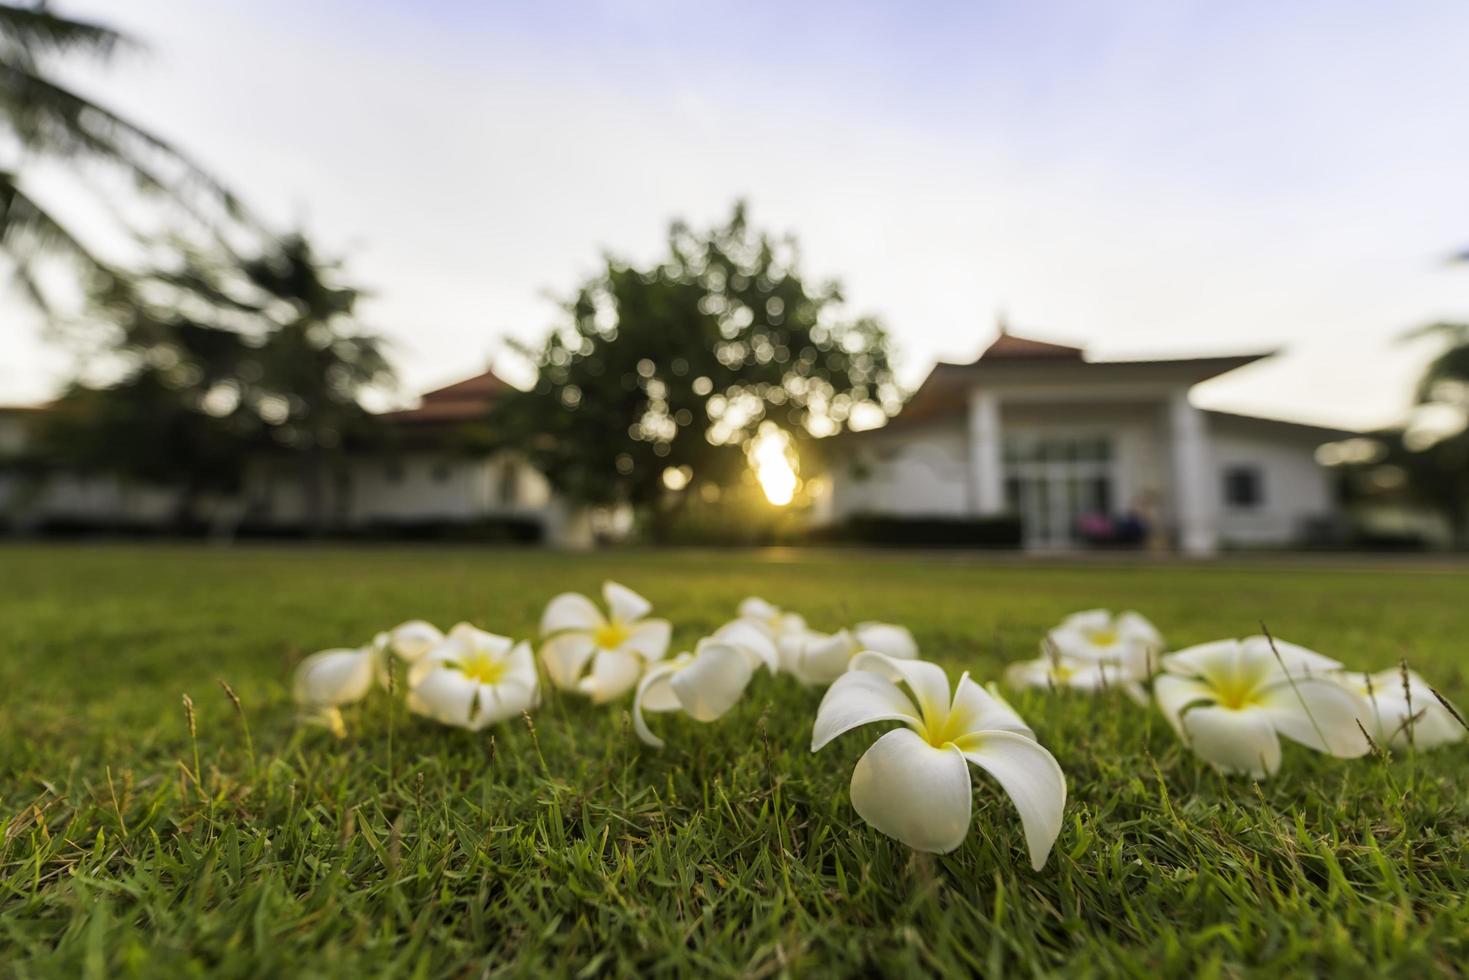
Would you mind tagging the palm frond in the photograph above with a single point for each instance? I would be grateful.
(1452, 365)
(27, 228)
(31, 30)
(51, 119)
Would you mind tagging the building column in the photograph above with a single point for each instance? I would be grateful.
(986, 475)
(1193, 507)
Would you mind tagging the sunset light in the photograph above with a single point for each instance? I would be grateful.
(771, 458)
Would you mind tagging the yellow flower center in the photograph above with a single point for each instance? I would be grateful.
(611, 635)
(482, 668)
(1235, 693)
(1103, 638)
(1062, 672)
(938, 723)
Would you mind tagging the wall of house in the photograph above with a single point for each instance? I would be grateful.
(1295, 489)
(407, 488)
(27, 500)
(912, 472)
(924, 471)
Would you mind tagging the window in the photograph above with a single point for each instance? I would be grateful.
(1244, 487)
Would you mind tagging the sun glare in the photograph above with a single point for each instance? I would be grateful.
(770, 457)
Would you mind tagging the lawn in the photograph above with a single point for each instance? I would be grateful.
(130, 849)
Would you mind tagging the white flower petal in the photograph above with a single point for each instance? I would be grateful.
(790, 623)
(893, 640)
(1319, 713)
(446, 696)
(654, 693)
(857, 698)
(625, 604)
(753, 641)
(649, 638)
(977, 710)
(1068, 641)
(570, 611)
(334, 677)
(1136, 627)
(1088, 619)
(1031, 777)
(909, 790)
(472, 638)
(1176, 693)
(757, 608)
(791, 647)
(1299, 662)
(819, 659)
(713, 682)
(1433, 725)
(1024, 674)
(565, 657)
(1391, 708)
(501, 702)
(613, 674)
(927, 681)
(1234, 741)
(414, 638)
(520, 669)
(1219, 658)
(659, 696)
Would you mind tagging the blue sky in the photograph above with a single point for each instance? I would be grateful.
(1142, 178)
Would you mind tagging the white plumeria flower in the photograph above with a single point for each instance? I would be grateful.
(1230, 700)
(413, 639)
(913, 784)
(1097, 635)
(770, 618)
(1055, 672)
(326, 680)
(820, 658)
(752, 641)
(1393, 710)
(617, 646)
(473, 679)
(410, 641)
(703, 685)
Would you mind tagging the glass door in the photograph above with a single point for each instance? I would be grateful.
(1058, 485)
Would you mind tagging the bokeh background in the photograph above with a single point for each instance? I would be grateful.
(653, 266)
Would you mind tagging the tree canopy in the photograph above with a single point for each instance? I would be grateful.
(43, 119)
(216, 357)
(676, 366)
(1435, 457)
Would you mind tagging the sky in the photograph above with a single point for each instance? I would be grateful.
(1142, 179)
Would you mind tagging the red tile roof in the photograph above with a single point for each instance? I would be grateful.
(1007, 345)
(463, 401)
(945, 392)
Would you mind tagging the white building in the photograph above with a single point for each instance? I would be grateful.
(433, 472)
(1080, 449)
(1072, 447)
(434, 475)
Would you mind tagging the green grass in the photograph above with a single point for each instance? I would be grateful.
(410, 849)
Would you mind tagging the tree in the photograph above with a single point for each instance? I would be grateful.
(42, 119)
(676, 367)
(316, 364)
(217, 358)
(173, 416)
(1435, 456)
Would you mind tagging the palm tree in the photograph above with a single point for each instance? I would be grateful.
(317, 363)
(42, 119)
(1439, 471)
